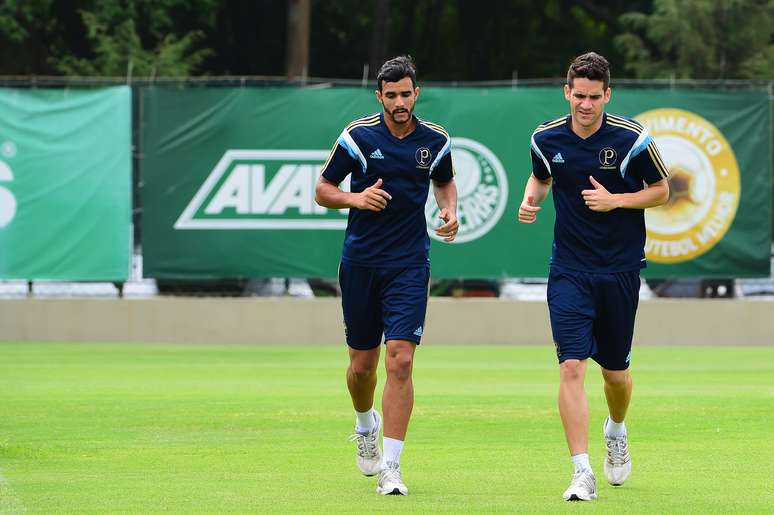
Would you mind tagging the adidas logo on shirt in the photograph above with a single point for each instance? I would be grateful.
(377, 154)
(557, 158)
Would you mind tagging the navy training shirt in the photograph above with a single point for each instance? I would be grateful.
(397, 235)
(622, 156)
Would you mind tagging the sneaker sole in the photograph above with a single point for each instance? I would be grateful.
(394, 491)
(574, 497)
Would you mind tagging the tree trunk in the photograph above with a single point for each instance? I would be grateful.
(299, 12)
(379, 37)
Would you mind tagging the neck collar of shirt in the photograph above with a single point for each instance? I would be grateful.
(407, 136)
(590, 136)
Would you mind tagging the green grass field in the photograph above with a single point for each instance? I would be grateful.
(181, 428)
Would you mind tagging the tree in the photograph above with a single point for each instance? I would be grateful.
(700, 39)
(379, 36)
(139, 38)
(297, 48)
(28, 28)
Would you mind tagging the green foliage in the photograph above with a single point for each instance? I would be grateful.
(119, 49)
(450, 40)
(105, 37)
(700, 39)
(760, 65)
(18, 18)
(27, 27)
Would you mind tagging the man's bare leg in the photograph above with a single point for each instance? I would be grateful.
(398, 396)
(361, 377)
(573, 406)
(397, 404)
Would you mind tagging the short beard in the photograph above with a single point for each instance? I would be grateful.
(392, 115)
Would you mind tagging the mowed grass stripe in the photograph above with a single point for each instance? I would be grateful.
(9, 501)
(193, 428)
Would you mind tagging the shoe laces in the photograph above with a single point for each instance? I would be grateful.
(367, 446)
(390, 473)
(583, 479)
(617, 450)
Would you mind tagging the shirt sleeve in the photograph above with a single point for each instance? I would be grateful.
(339, 164)
(539, 167)
(648, 164)
(444, 171)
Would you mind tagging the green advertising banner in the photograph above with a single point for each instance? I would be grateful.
(228, 180)
(65, 184)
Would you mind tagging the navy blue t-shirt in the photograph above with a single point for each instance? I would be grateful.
(622, 156)
(397, 235)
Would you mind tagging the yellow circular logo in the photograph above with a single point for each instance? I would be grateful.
(704, 186)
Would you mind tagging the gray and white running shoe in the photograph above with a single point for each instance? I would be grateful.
(368, 455)
(618, 464)
(582, 488)
(390, 481)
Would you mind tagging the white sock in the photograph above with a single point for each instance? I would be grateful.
(365, 421)
(392, 449)
(581, 462)
(614, 429)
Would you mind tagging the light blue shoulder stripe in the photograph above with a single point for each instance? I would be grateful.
(639, 145)
(346, 141)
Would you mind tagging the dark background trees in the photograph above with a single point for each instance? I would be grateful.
(451, 40)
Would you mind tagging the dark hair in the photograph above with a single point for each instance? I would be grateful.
(590, 66)
(395, 69)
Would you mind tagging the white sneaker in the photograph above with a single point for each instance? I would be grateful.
(369, 455)
(390, 482)
(582, 488)
(618, 464)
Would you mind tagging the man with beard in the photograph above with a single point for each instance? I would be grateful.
(385, 268)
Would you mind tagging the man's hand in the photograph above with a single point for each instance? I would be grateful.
(448, 231)
(372, 198)
(528, 211)
(599, 199)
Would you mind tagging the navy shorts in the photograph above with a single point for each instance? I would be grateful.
(389, 301)
(592, 315)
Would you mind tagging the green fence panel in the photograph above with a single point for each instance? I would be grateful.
(65, 184)
(228, 180)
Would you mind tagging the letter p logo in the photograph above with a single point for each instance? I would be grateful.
(607, 156)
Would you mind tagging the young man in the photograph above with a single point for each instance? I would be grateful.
(385, 268)
(605, 171)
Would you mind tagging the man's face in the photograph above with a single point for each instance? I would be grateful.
(587, 100)
(398, 99)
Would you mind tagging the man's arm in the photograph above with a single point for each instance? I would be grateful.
(601, 200)
(328, 194)
(535, 192)
(446, 197)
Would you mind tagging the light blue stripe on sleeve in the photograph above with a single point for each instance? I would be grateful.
(346, 141)
(353, 153)
(641, 144)
(445, 150)
(641, 147)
